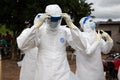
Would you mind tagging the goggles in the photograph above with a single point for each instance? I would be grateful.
(55, 19)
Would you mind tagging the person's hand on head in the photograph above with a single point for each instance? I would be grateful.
(68, 20)
(40, 19)
(66, 17)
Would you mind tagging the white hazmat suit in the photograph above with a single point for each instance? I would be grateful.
(88, 62)
(51, 40)
(28, 64)
(119, 73)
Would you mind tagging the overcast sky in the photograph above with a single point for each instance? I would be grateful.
(106, 9)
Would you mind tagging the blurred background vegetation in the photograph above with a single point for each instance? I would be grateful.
(3, 30)
(15, 15)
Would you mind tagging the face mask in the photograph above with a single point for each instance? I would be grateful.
(53, 24)
(54, 21)
(92, 25)
(87, 28)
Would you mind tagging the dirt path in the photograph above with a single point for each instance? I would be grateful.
(10, 70)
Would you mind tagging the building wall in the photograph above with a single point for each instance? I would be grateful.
(115, 34)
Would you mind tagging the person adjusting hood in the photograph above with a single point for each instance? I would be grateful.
(28, 64)
(51, 39)
(52, 17)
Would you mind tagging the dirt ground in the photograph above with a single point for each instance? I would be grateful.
(10, 70)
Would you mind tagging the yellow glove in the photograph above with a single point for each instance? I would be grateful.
(68, 20)
(98, 35)
(106, 35)
(39, 20)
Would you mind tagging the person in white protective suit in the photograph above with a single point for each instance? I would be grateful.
(88, 62)
(51, 40)
(119, 73)
(28, 64)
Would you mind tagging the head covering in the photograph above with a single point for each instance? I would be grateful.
(53, 10)
(84, 20)
(87, 24)
(37, 17)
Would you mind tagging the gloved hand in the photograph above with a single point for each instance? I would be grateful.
(106, 35)
(39, 21)
(98, 35)
(68, 20)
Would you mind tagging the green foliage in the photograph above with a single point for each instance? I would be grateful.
(109, 20)
(14, 13)
(3, 30)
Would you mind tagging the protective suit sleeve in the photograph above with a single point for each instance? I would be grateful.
(69, 37)
(89, 50)
(78, 40)
(26, 40)
(95, 45)
(106, 46)
(81, 42)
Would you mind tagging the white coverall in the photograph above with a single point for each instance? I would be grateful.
(52, 63)
(88, 62)
(119, 73)
(28, 64)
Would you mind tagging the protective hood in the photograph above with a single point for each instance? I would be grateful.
(87, 24)
(53, 10)
(37, 17)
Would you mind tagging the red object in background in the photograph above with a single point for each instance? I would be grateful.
(8, 37)
(117, 64)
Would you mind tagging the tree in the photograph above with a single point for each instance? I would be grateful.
(15, 13)
(109, 20)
